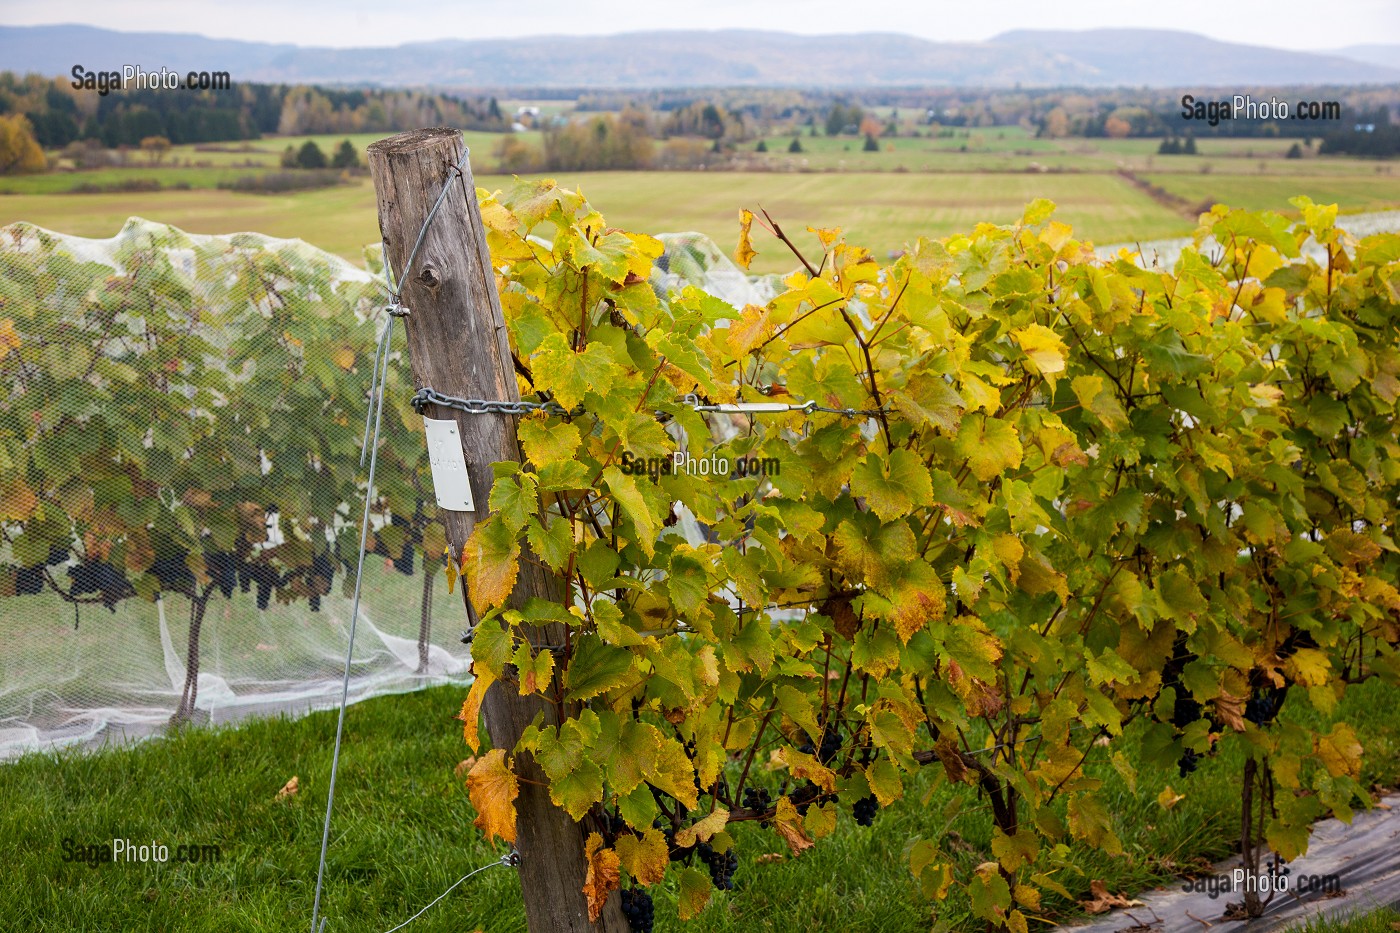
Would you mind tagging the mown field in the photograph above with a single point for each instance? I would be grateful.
(912, 187)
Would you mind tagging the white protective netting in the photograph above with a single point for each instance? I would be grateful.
(180, 427)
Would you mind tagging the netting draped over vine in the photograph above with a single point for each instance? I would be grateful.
(180, 431)
(181, 420)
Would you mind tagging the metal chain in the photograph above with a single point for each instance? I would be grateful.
(477, 406)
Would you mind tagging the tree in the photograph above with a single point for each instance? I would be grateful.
(761, 147)
(310, 155)
(1295, 151)
(345, 156)
(1169, 146)
(1189, 147)
(289, 157)
(155, 148)
(19, 150)
(795, 146)
(871, 144)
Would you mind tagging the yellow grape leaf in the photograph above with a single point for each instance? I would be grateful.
(1093, 395)
(695, 892)
(489, 563)
(990, 446)
(645, 857)
(806, 767)
(1309, 667)
(1043, 347)
(471, 709)
(789, 825)
(492, 787)
(344, 357)
(820, 821)
(603, 875)
(703, 830)
(1169, 798)
(1339, 751)
(635, 506)
(745, 252)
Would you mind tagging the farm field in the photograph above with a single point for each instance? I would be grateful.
(880, 210)
(914, 186)
(404, 833)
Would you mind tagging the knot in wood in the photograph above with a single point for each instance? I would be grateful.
(429, 277)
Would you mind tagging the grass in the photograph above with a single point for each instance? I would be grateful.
(1385, 920)
(1270, 192)
(403, 833)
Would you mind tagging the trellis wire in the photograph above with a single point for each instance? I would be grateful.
(370, 445)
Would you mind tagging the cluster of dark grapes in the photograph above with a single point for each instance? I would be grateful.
(756, 798)
(264, 576)
(1262, 708)
(864, 810)
(29, 581)
(1187, 709)
(722, 865)
(637, 908)
(97, 576)
(223, 570)
(322, 575)
(804, 797)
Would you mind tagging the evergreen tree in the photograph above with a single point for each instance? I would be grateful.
(310, 156)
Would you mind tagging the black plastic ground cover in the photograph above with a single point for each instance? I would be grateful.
(1363, 857)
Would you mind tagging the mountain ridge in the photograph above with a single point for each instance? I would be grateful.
(701, 58)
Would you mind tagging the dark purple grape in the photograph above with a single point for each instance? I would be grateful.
(864, 810)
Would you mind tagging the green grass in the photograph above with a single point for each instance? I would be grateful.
(1385, 920)
(403, 833)
(1271, 192)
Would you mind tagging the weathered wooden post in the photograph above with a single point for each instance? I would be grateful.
(458, 345)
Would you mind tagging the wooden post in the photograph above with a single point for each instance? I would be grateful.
(458, 345)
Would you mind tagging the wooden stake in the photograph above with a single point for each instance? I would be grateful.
(458, 345)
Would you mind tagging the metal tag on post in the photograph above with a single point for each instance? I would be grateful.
(450, 480)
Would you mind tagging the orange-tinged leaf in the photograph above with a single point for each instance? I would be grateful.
(789, 825)
(489, 563)
(645, 857)
(17, 500)
(492, 787)
(603, 875)
(344, 357)
(471, 708)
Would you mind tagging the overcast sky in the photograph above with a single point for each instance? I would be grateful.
(1291, 24)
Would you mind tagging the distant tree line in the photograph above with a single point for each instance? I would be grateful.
(59, 115)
